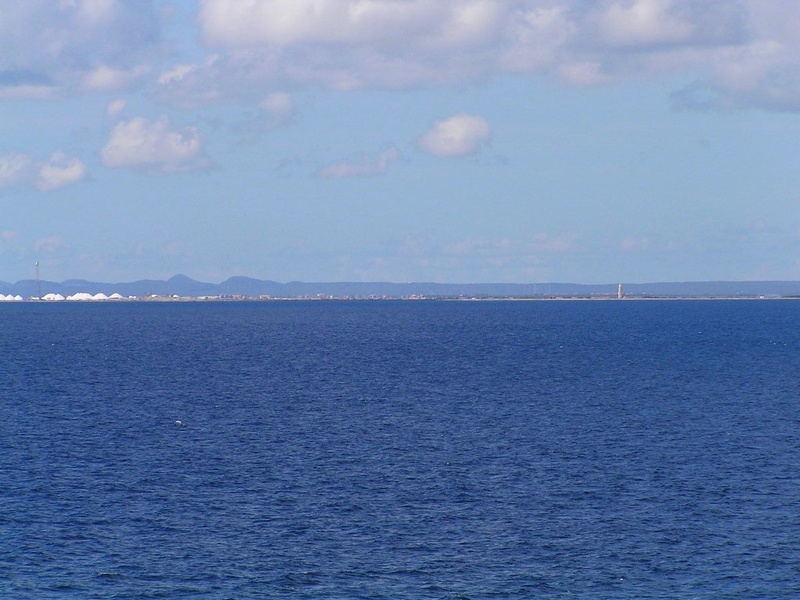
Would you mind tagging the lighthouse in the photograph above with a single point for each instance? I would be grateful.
(619, 291)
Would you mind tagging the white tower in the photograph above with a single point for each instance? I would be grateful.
(619, 291)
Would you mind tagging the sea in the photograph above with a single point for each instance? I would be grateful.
(400, 449)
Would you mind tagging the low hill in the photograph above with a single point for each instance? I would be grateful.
(181, 285)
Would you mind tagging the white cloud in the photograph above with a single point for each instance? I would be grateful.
(285, 22)
(338, 44)
(13, 169)
(99, 13)
(460, 135)
(346, 44)
(153, 145)
(643, 23)
(60, 171)
(365, 167)
(536, 38)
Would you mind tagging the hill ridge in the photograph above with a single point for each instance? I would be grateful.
(182, 285)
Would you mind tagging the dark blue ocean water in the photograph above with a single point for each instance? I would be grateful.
(400, 450)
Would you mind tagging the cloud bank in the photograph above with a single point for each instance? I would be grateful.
(742, 52)
(730, 53)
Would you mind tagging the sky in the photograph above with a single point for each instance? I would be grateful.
(456, 141)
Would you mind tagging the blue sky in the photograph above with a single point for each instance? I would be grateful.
(400, 140)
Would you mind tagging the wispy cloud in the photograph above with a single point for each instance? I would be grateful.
(539, 243)
(109, 79)
(363, 167)
(13, 168)
(274, 111)
(635, 244)
(48, 244)
(9, 239)
(115, 108)
(279, 107)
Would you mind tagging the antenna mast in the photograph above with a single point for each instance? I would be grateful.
(38, 282)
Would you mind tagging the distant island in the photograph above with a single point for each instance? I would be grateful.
(181, 287)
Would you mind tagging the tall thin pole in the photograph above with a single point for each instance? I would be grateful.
(38, 282)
